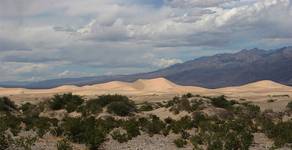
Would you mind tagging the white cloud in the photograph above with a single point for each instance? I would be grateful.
(196, 3)
(162, 63)
(92, 37)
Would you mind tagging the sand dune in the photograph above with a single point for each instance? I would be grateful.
(265, 84)
(259, 86)
(158, 86)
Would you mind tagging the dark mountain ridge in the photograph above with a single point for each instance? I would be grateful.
(221, 70)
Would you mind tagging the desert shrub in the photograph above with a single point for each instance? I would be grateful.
(31, 110)
(215, 145)
(10, 122)
(146, 107)
(196, 140)
(249, 111)
(132, 128)
(224, 134)
(221, 102)
(184, 104)
(289, 105)
(166, 130)
(168, 120)
(119, 136)
(271, 100)
(85, 130)
(121, 108)
(91, 107)
(195, 104)
(95, 139)
(27, 107)
(152, 126)
(172, 102)
(183, 124)
(57, 131)
(68, 101)
(180, 143)
(64, 145)
(41, 125)
(104, 100)
(24, 142)
(188, 95)
(280, 132)
(6, 104)
(198, 117)
(159, 104)
(184, 134)
(4, 141)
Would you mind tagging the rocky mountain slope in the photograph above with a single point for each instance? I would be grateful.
(211, 72)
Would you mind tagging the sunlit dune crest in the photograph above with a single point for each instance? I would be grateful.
(150, 86)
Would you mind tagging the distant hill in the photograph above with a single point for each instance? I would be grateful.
(216, 71)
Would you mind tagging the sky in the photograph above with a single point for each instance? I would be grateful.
(46, 39)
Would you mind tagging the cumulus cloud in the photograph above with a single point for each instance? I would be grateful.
(61, 38)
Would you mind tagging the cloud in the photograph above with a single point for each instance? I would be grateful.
(196, 3)
(65, 38)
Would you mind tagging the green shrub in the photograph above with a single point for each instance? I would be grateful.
(183, 124)
(289, 105)
(166, 130)
(120, 137)
(168, 120)
(85, 130)
(104, 100)
(196, 140)
(64, 145)
(25, 142)
(188, 95)
(42, 125)
(221, 102)
(121, 108)
(198, 117)
(250, 110)
(132, 128)
(184, 104)
(152, 126)
(6, 104)
(4, 141)
(91, 107)
(10, 122)
(146, 107)
(180, 143)
(195, 104)
(271, 100)
(215, 145)
(281, 132)
(68, 101)
(31, 110)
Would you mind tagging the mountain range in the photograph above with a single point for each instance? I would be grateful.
(221, 70)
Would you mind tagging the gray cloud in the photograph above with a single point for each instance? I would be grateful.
(50, 39)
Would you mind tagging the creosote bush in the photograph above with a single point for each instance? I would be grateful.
(235, 132)
(121, 108)
(146, 107)
(289, 105)
(6, 104)
(180, 143)
(68, 101)
(64, 145)
(221, 102)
